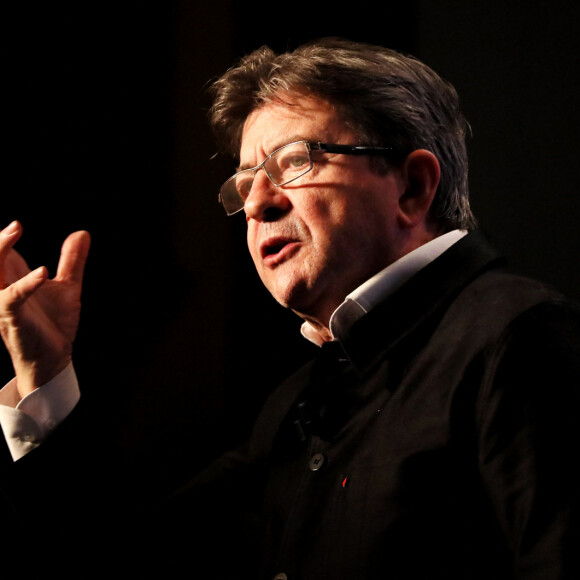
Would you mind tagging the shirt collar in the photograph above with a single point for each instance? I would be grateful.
(381, 285)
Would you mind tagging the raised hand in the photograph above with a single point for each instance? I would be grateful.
(39, 316)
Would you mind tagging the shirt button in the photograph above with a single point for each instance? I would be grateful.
(281, 576)
(316, 462)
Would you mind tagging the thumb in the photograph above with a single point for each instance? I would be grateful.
(73, 257)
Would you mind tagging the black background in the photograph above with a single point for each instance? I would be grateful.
(105, 130)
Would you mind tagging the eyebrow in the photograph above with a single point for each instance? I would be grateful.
(279, 143)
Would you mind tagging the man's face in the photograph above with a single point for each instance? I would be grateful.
(316, 239)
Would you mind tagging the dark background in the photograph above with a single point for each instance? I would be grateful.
(105, 130)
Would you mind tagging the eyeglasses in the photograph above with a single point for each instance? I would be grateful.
(282, 167)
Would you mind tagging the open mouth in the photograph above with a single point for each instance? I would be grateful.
(276, 249)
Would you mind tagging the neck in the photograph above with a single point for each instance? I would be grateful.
(323, 330)
(319, 314)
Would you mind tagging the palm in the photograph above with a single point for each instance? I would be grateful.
(48, 320)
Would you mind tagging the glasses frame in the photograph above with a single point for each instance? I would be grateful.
(310, 146)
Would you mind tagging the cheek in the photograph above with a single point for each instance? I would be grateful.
(329, 222)
(349, 230)
(325, 210)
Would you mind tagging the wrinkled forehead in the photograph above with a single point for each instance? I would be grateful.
(291, 117)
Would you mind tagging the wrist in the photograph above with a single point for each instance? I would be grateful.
(30, 377)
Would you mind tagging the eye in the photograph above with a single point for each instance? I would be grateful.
(288, 163)
(292, 162)
(298, 161)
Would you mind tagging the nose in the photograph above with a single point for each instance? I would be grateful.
(265, 202)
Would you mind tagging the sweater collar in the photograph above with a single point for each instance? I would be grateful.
(420, 299)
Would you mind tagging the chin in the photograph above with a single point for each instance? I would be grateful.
(294, 296)
(299, 290)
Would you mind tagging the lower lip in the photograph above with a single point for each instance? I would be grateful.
(284, 254)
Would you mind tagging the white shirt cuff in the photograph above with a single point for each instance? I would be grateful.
(28, 422)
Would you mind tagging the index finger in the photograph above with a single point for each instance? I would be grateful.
(73, 257)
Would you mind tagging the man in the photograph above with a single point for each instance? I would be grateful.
(435, 434)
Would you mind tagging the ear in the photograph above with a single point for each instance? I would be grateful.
(422, 172)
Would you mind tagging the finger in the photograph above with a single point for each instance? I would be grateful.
(22, 289)
(8, 237)
(14, 267)
(73, 257)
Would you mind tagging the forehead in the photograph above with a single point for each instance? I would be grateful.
(289, 118)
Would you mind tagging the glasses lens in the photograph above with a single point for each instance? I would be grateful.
(282, 166)
(235, 190)
(288, 163)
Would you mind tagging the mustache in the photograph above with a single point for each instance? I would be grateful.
(289, 228)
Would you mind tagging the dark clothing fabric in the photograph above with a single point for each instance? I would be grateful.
(437, 440)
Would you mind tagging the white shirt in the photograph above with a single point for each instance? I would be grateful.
(369, 294)
(26, 423)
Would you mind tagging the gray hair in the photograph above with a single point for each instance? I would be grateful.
(388, 98)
